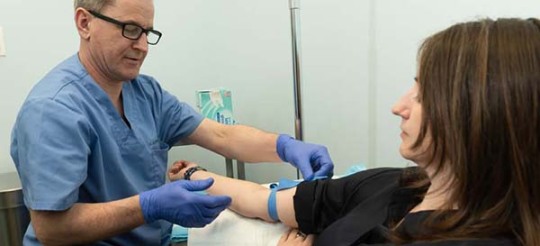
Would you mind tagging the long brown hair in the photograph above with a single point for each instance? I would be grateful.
(480, 93)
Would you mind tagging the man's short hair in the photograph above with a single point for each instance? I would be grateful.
(95, 5)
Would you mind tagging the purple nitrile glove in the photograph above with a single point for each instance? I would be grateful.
(177, 203)
(313, 160)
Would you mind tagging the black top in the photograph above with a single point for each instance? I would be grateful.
(360, 208)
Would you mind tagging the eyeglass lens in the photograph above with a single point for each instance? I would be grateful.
(134, 32)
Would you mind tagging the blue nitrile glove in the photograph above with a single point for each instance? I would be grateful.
(176, 203)
(312, 159)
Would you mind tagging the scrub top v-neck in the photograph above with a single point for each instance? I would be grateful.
(71, 145)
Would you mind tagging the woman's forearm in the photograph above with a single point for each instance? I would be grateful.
(249, 199)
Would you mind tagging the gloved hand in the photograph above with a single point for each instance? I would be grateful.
(312, 159)
(176, 203)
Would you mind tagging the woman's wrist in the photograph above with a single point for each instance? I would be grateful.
(191, 170)
(175, 171)
(192, 167)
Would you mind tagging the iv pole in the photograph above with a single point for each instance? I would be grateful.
(294, 6)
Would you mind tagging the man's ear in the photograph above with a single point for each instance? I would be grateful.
(82, 21)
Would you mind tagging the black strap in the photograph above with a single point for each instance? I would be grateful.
(191, 170)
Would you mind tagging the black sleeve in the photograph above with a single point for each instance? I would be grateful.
(463, 242)
(319, 203)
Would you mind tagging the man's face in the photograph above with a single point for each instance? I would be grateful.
(117, 58)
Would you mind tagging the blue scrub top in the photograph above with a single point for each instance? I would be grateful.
(70, 145)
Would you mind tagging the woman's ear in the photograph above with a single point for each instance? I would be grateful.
(82, 21)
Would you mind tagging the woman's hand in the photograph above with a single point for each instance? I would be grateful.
(176, 172)
(295, 238)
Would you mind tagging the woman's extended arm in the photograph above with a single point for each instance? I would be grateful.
(248, 199)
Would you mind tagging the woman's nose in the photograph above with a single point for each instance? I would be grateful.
(396, 109)
(400, 108)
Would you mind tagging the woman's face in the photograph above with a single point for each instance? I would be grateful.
(408, 107)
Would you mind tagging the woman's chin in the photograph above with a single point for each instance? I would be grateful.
(405, 152)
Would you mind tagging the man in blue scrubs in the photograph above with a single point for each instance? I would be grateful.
(90, 142)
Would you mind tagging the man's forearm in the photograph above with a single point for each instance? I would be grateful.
(238, 141)
(86, 222)
(252, 145)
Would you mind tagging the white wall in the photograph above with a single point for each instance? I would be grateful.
(358, 57)
(400, 27)
(238, 44)
(37, 34)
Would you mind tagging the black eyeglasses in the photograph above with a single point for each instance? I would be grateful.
(130, 30)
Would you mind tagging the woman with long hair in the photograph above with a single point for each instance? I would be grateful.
(471, 123)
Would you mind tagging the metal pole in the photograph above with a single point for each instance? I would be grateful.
(229, 167)
(294, 6)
